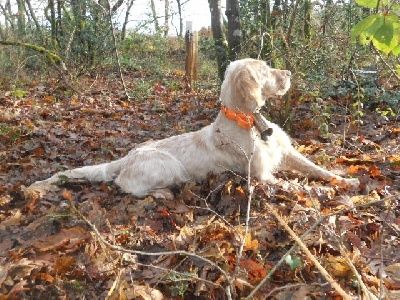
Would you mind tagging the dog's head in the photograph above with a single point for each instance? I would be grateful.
(249, 82)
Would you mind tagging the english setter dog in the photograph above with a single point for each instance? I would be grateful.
(227, 144)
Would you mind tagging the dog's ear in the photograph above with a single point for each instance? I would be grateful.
(247, 90)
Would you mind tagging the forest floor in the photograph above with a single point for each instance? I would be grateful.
(49, 251)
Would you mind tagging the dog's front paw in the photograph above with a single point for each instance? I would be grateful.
(163, 194)
(38, 189)
(351, 183)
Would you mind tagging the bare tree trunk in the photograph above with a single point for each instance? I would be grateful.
(219, 37)
(307, 19)
(32, 13)
(276, 13)
(326, 17)
(265, 30)
(53, 22)
(178, 2)
(234, 32)
(128, 9)
(266, 9)
(285, 9)
(155, 19)
(121, 76)
(291, 23)
(166, 18)
(59, 18)
(21, 17)
(8, 15)
(116, 6)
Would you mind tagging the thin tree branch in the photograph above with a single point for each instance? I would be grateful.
(145, 253)
(394, 73)
(310, 256)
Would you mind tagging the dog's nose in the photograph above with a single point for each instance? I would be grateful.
(288, 73)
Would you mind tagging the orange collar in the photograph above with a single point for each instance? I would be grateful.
(243, 120)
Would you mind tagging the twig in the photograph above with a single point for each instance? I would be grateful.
(250, 189)
(321, 219)
(364, 205)
(121, 76)
(108, 11)
(368, 294)
(115, 284)
(304, 248)
(283, 258)
(207, 208)
(291, 286)
(192, 276)
(394, 73)
(214, 213)
(144, 253)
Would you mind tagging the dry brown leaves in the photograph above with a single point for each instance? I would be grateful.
(47, 251)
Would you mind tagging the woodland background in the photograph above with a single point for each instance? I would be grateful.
(79, 86)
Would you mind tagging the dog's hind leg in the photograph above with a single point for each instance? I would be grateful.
(101, 172)
(150, 170)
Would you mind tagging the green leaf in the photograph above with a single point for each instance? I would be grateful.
(385, 38)
(366, 28)
(396, 51)
(367, 3)
(293, 262)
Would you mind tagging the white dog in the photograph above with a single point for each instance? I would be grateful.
(227, 144)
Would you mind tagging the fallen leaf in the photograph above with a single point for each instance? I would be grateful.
(45, 277)
(357, 169)
(309, 149)
(337, 266)
(363, 159)
(255, 270)
(250, 244)
(393, 271)
(374, 171)
(68, 240)
(67, 195)
(64, 264)
(143, 292)
(365, 199)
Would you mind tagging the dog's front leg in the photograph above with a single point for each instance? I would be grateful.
(295, 161)
(262, 168)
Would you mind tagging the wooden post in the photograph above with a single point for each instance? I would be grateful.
(191, 40)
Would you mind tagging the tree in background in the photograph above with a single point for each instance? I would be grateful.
(219, 36)
(234, 32)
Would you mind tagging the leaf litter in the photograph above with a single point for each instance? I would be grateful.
(47, 251)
